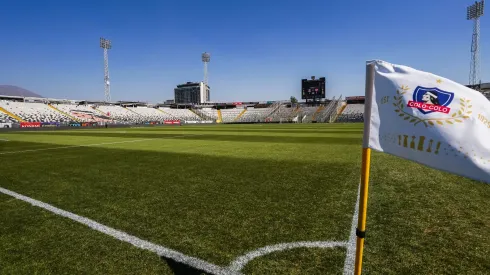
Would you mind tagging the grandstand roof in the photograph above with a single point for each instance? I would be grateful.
(11, 97)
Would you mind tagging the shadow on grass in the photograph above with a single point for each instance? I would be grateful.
(217, 207)
(182, 269)
(259, 130)
(217, 137)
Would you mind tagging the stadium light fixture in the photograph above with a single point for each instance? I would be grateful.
(106, 45)
(474, 12)
(205, 57)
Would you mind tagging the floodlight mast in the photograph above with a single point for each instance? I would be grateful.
(106, 45)
(474, 12)
(206, 57)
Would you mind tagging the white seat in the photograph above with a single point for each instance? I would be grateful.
(34, 112)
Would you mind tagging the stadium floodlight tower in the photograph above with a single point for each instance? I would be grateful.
(206, 57)
(474, 12)
(106, 45)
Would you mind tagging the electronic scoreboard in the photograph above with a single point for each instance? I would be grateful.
(313, 88)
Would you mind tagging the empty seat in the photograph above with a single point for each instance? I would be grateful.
(34, 112)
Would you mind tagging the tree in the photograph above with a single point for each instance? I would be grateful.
(294, 100)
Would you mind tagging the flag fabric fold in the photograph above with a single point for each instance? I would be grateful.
(431, 120)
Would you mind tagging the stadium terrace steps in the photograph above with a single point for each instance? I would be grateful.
(275, 109)
(220, 117)
(320, 108)
(163, 111)
(63, 113)
(11, 115)
(99, 111)
(341, 109)
(240, 115)
(295, 112)
(132, 111)
(197, 114)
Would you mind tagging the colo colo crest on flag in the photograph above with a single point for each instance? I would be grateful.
(429, 100)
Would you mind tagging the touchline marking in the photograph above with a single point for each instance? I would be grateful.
(122, 236)
(241, 261)
(4, 139)
(350, 257)
(233, 269)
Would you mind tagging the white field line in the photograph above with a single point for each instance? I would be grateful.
(234, 268)
(350, 257)
(90, 145)
(122, 236)
(241, 261)
(3, 139)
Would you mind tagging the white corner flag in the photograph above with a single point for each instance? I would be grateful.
(429, 119)
(423, 118)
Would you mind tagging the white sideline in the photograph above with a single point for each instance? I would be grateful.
(241, 261)
(234, 268)
(122, 236)
(350, 257)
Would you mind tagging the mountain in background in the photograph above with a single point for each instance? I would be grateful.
(16, 91)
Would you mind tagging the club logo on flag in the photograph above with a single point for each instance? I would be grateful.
(430, 100)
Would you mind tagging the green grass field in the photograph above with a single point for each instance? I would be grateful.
(220, 192)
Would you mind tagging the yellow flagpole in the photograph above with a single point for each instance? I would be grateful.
(365, 168)
(361, 223)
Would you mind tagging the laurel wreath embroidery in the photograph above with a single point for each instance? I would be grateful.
(459, 116)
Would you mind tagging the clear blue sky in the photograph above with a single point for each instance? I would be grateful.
(260, 50)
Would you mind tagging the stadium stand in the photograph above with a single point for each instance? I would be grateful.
(352, 113)
(149, 113)
(181, 114)
(220, 117)
(229, 115)
(254, 115)
(34, 112)
(121, 114)
(211, 113)
(305, 114)
(318, 111)
(283, 114)
(4, 118)
(244, 110)
(65, 112)
(83, 113)
(330, 111)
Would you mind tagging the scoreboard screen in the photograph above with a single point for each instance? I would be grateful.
(311, 89)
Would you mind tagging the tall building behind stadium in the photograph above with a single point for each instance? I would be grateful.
(192, 93)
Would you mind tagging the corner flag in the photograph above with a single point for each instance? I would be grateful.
(425, 118)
